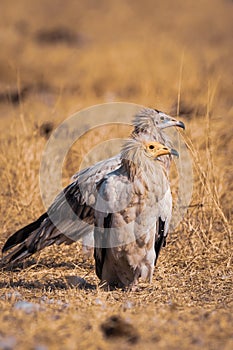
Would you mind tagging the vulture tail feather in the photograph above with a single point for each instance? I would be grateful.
(22, 234)
(23, 246)
(18, 253)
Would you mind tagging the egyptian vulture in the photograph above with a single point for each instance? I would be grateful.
(133, 196)
(77, 209)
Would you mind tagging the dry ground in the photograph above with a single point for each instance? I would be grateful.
(58, 57)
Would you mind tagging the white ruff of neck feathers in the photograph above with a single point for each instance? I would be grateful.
(136, 160)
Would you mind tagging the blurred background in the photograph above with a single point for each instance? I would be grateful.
(57, 57)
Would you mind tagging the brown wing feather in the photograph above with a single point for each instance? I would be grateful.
(70, 216)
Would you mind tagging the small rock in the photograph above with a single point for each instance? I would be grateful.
(127, 305)
(7, 343)
(40, 347)
(26, 306)
(11, 295)
(98, 301)
(76, 281)
(115, 327)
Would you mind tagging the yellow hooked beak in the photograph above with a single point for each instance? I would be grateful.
(156, 149)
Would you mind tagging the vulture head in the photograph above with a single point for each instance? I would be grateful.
(149, 124)
(151, 121)
(139, 153)
(156, 149)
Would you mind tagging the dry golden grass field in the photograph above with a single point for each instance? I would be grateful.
(58, 57)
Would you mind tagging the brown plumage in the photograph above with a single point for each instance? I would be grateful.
(72, 214)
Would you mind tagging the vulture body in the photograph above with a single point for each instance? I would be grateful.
(126, 231)
(76, 211)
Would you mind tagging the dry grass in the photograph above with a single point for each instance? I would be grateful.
(153, 53)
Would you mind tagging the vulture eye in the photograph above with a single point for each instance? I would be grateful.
(151, 147)
(161, 118)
